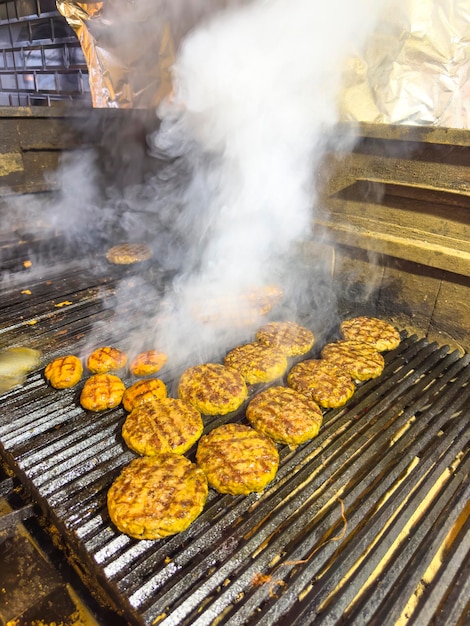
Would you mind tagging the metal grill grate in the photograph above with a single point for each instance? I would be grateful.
(367, 523)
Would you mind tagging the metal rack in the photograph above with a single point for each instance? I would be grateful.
(41, 60)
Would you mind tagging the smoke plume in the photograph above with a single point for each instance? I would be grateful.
(255, 97)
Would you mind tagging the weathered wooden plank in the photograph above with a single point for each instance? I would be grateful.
(451, 314)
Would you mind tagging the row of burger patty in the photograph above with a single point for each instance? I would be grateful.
(161, 492)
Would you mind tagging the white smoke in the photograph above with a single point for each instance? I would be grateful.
(255, 96)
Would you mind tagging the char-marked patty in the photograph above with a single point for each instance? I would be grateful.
(128, 253)
(257, 363)
(284, 415)
(237, 459)
(63, 372)
(143, 391)
(377, 333)
(357, 358)
(157, 496)
(324, 382)
(106, 359)
(289, 337)
(212, 388)
(167, 425)
(101, 392)
(147, 363)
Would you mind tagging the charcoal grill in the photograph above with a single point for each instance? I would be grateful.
(368, 523)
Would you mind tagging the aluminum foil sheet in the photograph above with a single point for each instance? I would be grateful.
(129, 45)
(414, 69)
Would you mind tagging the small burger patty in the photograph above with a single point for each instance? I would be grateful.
(284, 415)
(148, 363)
(167, 425)
(129, 253)
(289, 337)
(357, 358)
(63, 372)
(101, 392)
(257, 363)
(322, 381)
(212, 388)
(143, 391)
(377, 333)
(157, 496)
(106, 359)
(237, 459)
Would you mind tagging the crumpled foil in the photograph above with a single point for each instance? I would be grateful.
(130, 45)
(414, 69)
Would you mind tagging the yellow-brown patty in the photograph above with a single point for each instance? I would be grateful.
(168, 425)
(257, 363)
(101, 392)
(357, 358)
(128, 253)
(106, 359)
(147, 363)
(143, 391)
(63, 372)
(289, 337)
(236, 459)
(284, 415)
(212, 388)
(157, 496)
(323, 382)
(377, 333)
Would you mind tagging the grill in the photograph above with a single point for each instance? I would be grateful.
(364, 523)
(368, 523)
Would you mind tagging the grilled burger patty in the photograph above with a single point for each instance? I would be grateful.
(237, 459)
(357, 358)
(322, 381)
(212, 388)
(147, 363)
(128, 253)
(257, 363)
(289, 337)
(167, 425)
(377, 333)
(284, 415)
(157, 496)
(106, 359)
(143, 391)
(64, 372)
(101, 392)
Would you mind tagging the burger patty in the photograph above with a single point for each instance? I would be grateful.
(289, 337)
(157, 496)
(101, 392)
(357, 358)
(284, 415)
(147, 363)
(322, 381)
(257, 363)
(143, 391)
(212, 388)
(237, 459)
(377, 333)
(106, 359)
(128, 253)
(64, 372)
(167, 425)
